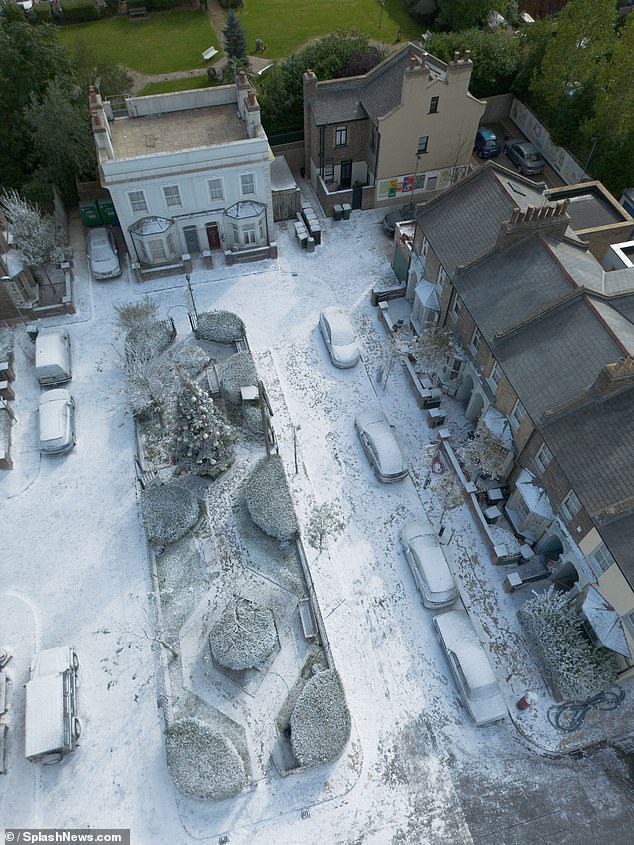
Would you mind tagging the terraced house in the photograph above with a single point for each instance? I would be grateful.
(403, 131)
(548, 340)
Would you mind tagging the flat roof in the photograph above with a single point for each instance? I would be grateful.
(175, 131)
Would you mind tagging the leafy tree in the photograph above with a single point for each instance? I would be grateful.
(235, 40)
(463, 14)
(113, 78)
(497, 57)
(575, 55)
(422, 10)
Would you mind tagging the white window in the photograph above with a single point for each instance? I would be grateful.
(423, 143)
(236, 234)
(329, 172)
(341, 136)
(543, 457)
(248, 183)
(521, 510)
(432, 182)
(216, 191)
(440, 280)
(476, 340)
(249, 234)
(495, 375)
(517, 415)
(570, 506)
(172, 196)
(424, 248)
(137, 202)
(456, 308)
(157, 250)
(601, 559)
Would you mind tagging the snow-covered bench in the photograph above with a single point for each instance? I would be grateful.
(308, 619)
(209, 53)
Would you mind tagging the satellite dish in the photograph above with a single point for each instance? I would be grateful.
(426, 35)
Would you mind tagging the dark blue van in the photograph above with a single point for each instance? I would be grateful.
(486, 143)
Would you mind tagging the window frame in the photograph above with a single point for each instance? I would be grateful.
(433, 105)
(248, 235)
(423, 145)
(131, 202)
(602, 559)
(341, 132)
(168, 201)
(513, 416)
(456, 307)
(542, 459)
(564, 507)
(476, 340)
(220, 181)
(249, 175)
(495, 376)
(329, 172)
(441, 278)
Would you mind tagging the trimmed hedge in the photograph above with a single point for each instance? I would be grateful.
(244, 636)
(320, 722)
(169, 511)
(76, 11)
(269, 501)
(219, 327)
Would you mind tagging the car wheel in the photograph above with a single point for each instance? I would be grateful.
(75, 660)
(76, 728)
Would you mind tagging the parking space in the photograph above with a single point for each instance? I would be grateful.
(506, 131)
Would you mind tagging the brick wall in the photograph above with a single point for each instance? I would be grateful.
(358, 141)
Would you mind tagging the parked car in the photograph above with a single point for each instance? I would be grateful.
(428, 564)
(380, 445)
(57, 422)
(102, 254)
(52, 728)
(470, 667)
(486, 143)
(52, 358)
(406, 212)
(525, 156)
(339, 338)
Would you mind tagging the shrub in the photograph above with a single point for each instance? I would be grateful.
(252, 421)
(43, 12)
(203, 763)
(169, 511)
(269, 501)
(220, 327)
(75, 11)
(244, 636)
(320, 722)
(238, 371)
(163, 4)
(191, 360)
(574, 667)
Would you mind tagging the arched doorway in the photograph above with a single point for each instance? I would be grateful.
(465, 391)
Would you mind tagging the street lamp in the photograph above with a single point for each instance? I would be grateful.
(191, 294)
(594, 143)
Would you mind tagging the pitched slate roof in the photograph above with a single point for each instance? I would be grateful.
(560, 349)
(372, 95)
(463, 224)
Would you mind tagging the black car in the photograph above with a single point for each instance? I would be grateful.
(390, 220)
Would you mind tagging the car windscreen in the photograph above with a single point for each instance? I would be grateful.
(491, 143)
(533, 157)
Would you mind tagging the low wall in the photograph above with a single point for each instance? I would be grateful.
(497, 108)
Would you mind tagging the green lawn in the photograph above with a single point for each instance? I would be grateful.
(163, 42)
(285, 26)
(169, 85)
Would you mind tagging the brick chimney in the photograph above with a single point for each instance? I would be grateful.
(613, 378)
(549, 220)
(252, 113)
(100, 126)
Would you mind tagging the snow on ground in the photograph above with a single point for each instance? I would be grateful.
(75, 569)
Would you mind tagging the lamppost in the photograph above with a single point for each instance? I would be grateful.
(191, 295)
(594, 143)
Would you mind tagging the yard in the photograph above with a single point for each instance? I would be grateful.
(166, 86)
(305, 20)
(163, 42)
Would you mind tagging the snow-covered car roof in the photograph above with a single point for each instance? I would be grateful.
(375, 424)
(424, 543)
(54, 409)
(342, 333)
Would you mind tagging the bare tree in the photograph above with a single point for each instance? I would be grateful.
(326, 521)
(448, 492)
(486, 452)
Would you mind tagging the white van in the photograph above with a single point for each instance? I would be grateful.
(52, 729)
(52, 358)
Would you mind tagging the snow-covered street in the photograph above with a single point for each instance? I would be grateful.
(75, 570)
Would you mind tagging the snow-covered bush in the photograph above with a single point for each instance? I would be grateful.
(202, 439)
(169, 511)
(244, 636)
(574, 667)
(252, 421)
(219, 327)
(326, 521)
(238, 371)
(320, 722)
(136, 314)
(486, 453)
(146, 336)
(269, 501)
(38, 236)
(432, 347)
(190, 360)
(203, 763)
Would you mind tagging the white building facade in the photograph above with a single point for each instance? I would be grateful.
(188, 173)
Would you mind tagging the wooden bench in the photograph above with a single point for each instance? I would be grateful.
(307, 616)
(209, 53)
(137, 11)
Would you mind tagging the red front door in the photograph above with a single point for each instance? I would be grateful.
(213, 235)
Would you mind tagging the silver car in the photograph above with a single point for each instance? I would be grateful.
(525, 156)
(102, 254)
(380, 445)
(470, 667)
(57, 422)
(428, 564)
(339, 338)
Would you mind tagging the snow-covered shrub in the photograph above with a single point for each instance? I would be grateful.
(146, 335)
(191, 360)
(219, 327)
(574, 667)
(486, 453)
(320, 722)
(169, 511)
(326, 521)
(269, 501)
(244, 636)
(238, 371)
(252, 421)
(136, 314)
(203, 763)
(202, 439)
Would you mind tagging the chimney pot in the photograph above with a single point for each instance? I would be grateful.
(456, 56)
(515, 215)
(467, 55)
